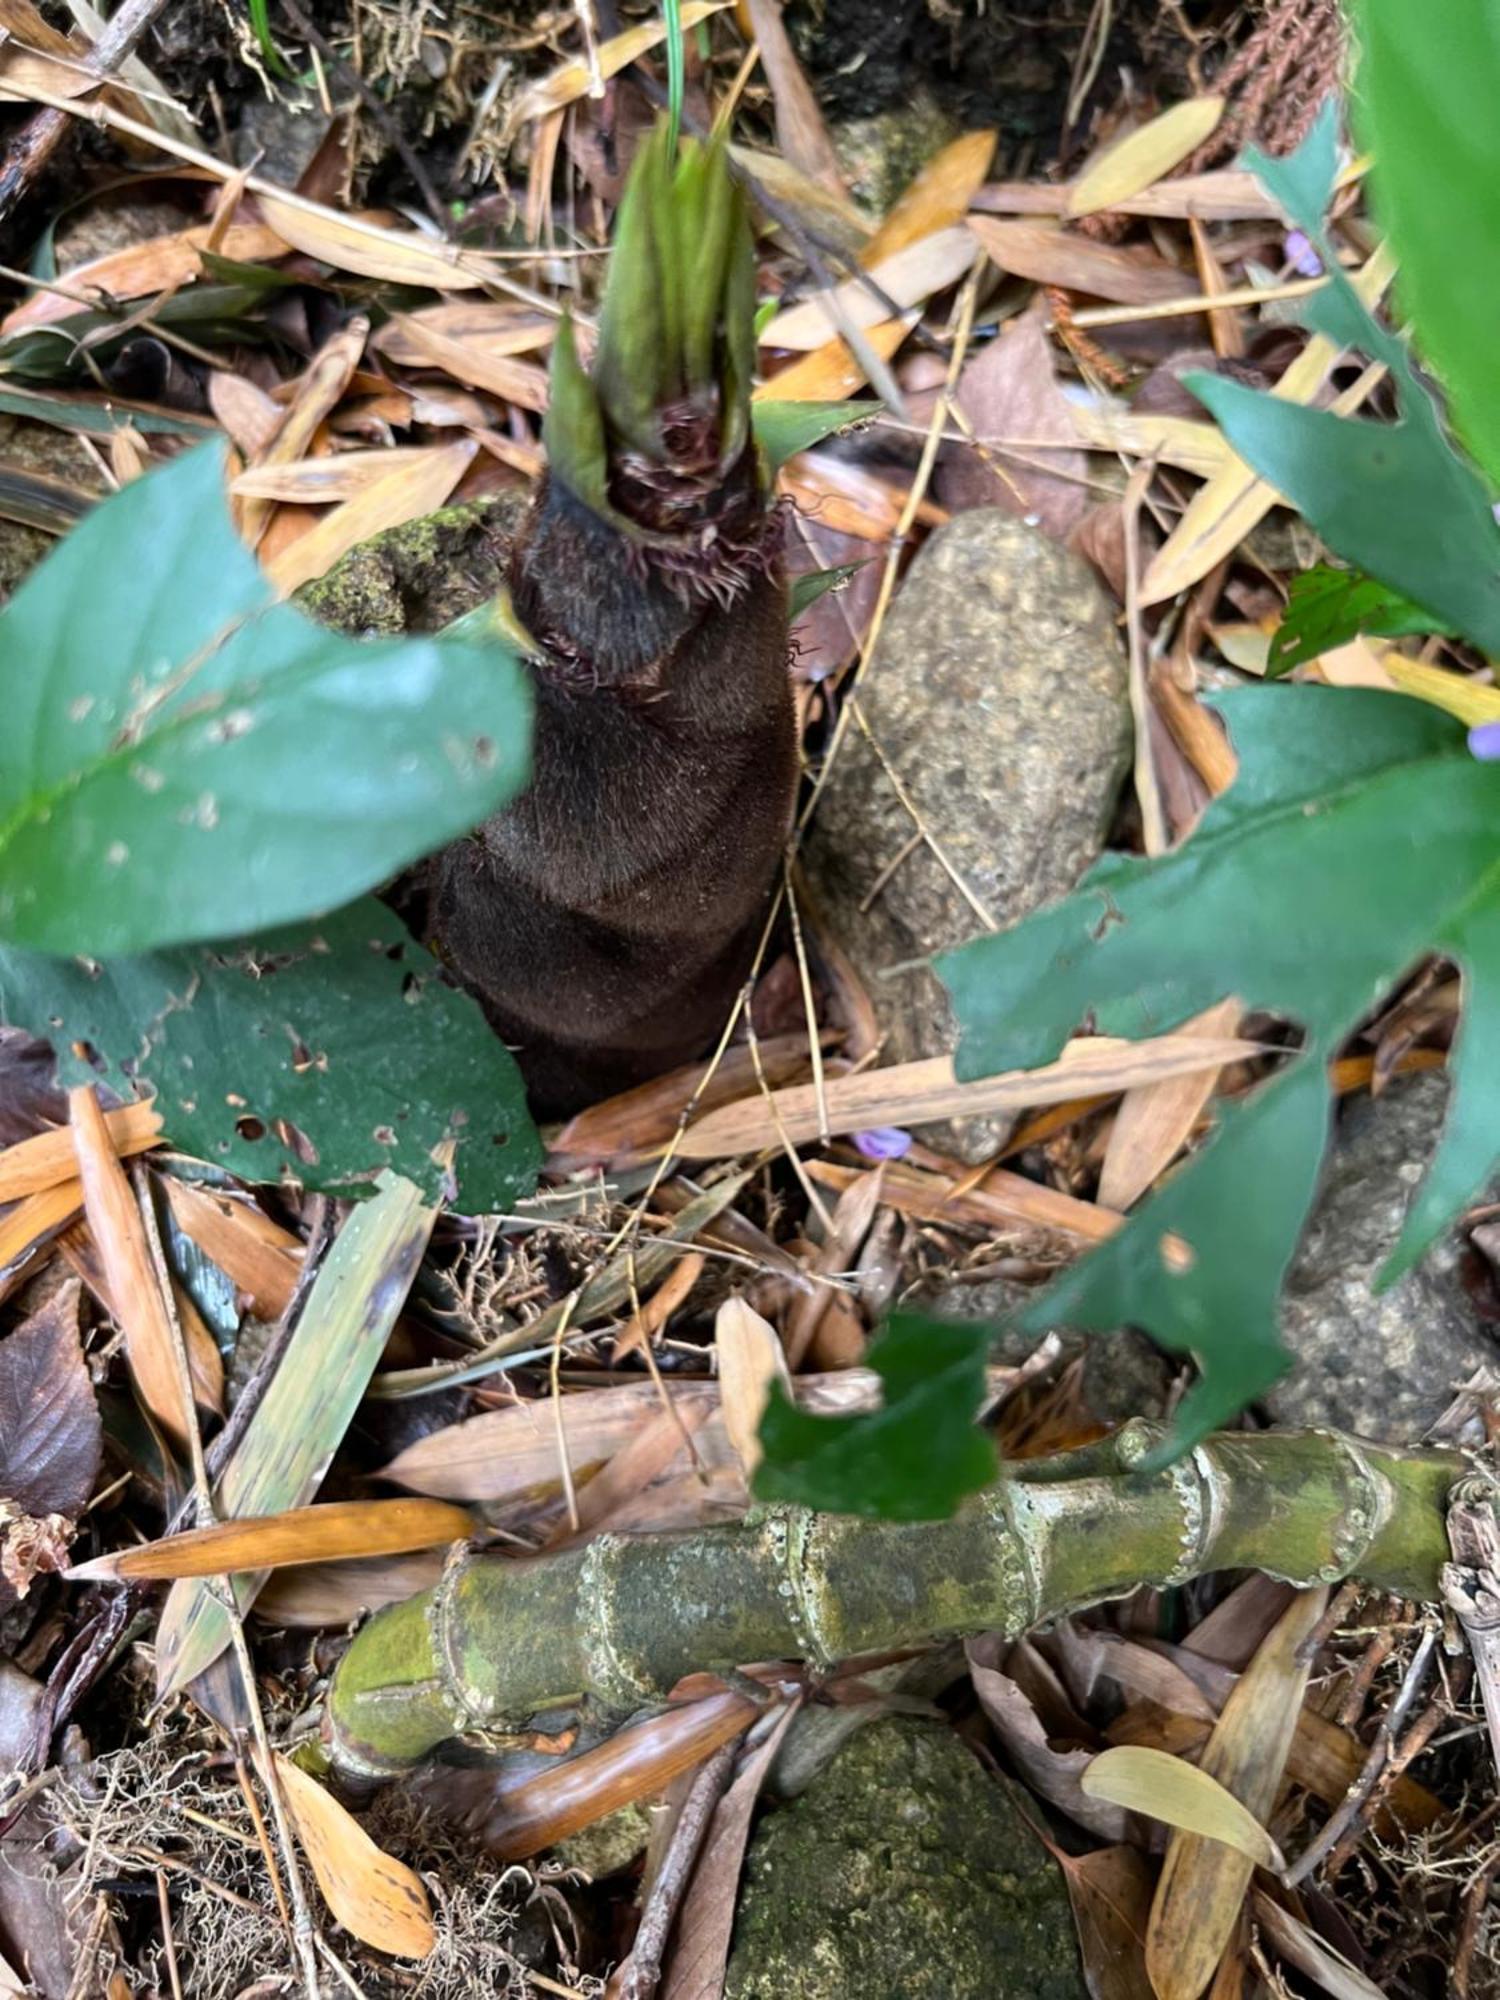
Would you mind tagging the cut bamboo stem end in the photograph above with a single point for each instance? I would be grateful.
(619, 1621)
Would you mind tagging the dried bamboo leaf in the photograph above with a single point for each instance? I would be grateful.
(1049, 256)
(1203, 1883)
(923, 1092)
(1145, 156)
(261, 1259)
(750, 1360)
(1196, 447)
(497, 326)
(280, 1460)
(401, 256)
(1319, 1961)
(377, 1898)
(938, 196)
(1002, 1201)
(49, 1157)
(912, 275)
(40, 1216)
(574, 79)
(1156, 1120)
(319, 391)
(801, 135)
(404, 494)
(1223, 512)
(161, 264)
(115, 1223)
(477, 366)
(320, 482)
(832, 372)
(339, 1531)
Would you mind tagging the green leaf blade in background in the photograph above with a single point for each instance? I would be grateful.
(184, 758)
(1328, 607)
(783, 429)
(329, 1053)
(1429, 82)
(1359, 836)
(913, 1460)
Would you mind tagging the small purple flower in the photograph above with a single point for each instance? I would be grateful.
(1301, 255)
(890, 1142)
(1484, 741)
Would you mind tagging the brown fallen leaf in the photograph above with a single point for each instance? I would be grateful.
(151, 1347)
(319, 390)
(1156, 1120)
(937, 197)
(339, 1530)
(1010, 389)
(404, 494)
(51, 1440)
(376, 1898)
(47, 1158)
(1203, 1883)
(930, 265)
(1054, 1774)
(497, 326)
(1110, 1891)
(259, 1257)
(476, 365)
(1050, 256)
(750, 1359)
(801, 135)
(161, 264)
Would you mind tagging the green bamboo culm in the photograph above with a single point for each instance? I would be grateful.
(676, 346)
(619, 1621)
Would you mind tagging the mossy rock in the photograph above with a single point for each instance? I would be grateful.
(421, 576)
(904, 1873)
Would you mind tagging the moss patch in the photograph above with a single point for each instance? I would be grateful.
(904, 1873)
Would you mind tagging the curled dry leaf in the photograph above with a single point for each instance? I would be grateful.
(376, 1898)
(50, 1441)
(1055, 1774)
(750, 1359)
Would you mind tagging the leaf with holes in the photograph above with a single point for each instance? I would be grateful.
(185, 758)
(1359, 836)
(326, 1052)
(1328, 607)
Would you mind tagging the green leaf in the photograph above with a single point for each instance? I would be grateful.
(783, 429)
(807, 589)
(913, 1460)
(1393, 498)
(326, 1053)
(1357, 817)
(1329, 607)
(1429, 83)
(184, 758)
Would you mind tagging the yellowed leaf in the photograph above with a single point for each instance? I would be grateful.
(1169, 1789)
(377, 1898)
(405, 494)
(574, 79)
(913, 274)
(370, 250)
(36, 1218)
(1202, 1886)
(832, 371)
(341, 1530)
(1146, 155)
(750, 1360)
(1471, 701)
(1196, 447)
(938, 196)
(319, 482)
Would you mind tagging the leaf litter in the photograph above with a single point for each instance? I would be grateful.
(454, 380)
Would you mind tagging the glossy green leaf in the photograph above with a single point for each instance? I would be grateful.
(1393, 498)
(1328, 607)
(183, 757)
(1357, 817)
(1429, 82)
(913, 1460)
(325, 1053)
(783, 429)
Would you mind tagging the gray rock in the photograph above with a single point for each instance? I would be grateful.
(1381, 1364)
(903, 1871)
(999, 698)
(881, 154)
